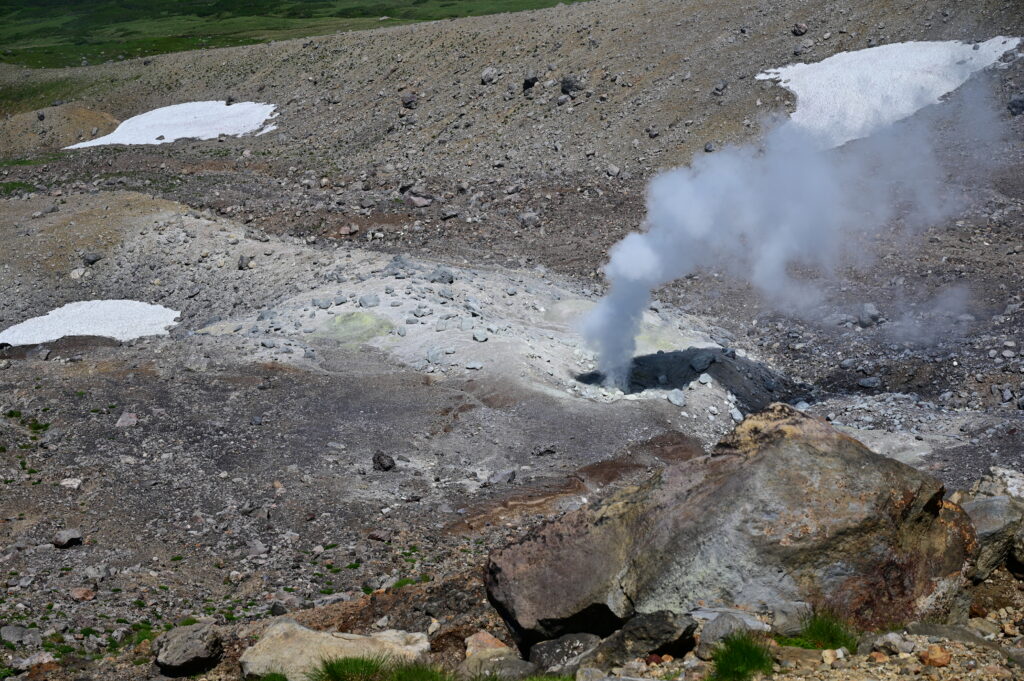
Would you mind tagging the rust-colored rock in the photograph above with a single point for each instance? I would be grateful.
(483, 641)
(935, 656)
(82, 594)
(787, 510)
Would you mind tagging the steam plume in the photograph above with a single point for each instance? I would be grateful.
(757, 210)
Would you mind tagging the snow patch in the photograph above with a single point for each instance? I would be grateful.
(195, 120)
(852, 94)
(120, 319)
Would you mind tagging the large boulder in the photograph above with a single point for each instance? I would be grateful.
(188, 650)
(785, 511)
(997, 521)
(293, 650)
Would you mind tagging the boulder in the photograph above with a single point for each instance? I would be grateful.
(293, 650)
(184, 651)
(997, 520)
(786, 510)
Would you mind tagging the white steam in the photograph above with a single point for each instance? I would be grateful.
(758, 211)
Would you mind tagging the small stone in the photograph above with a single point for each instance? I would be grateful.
(799, 29)
(480, 336)
(369, 300)
(65, 539)
(878, 657)
(126, 420)
(82, 594)
(677, 397)
(382, 461)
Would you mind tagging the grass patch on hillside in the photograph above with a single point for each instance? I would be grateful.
(8, 188)
(38, 160)
(19, 97)
(739, 656)
(57, 33)
(822, 629)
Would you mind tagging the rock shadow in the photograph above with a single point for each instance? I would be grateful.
(752, 382)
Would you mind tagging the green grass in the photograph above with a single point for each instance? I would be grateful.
(274, 677)
(57, 33)
(382, 669)
(351, 669)
(39, 160)
(823, 629)
(7, 188)
(19, 97)
(739, 657)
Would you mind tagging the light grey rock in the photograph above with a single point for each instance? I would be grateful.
(369, 300)
(65, 539)
(997, 520)
(188, 650)
(293, 650)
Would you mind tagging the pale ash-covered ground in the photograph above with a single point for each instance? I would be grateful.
(246, 474)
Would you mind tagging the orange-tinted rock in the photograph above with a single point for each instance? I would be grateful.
(481, 641)
(935, 656)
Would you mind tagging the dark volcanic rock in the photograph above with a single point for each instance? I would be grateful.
(786, 510)
(656, 632)
(558, 655)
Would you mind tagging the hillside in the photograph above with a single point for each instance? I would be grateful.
(377, 387)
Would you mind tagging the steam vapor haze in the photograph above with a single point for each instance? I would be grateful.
(757, 210)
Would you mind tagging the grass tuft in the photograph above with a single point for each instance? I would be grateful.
(740, 656)
(274, 677)
(349, 669)
(823, 629)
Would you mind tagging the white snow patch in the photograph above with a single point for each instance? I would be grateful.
(198, 120)
(852, 94)
(120, 319)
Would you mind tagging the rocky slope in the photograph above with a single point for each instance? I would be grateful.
(377, 378)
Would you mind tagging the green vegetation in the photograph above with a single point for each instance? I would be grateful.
(57, 33)
(15, 187)
(274, 677)
(740, 656)
(15, 98)
(351, 669)
(381, 669)
(46, 158)
(823, 629)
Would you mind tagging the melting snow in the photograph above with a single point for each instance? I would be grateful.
(198, 120)
(120, 319)
(852, 94)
